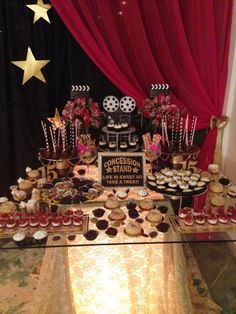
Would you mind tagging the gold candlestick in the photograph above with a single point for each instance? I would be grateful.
(220, 124)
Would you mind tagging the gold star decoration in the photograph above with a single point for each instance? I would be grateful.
(31, 67)
(40, 10)
(56, 120)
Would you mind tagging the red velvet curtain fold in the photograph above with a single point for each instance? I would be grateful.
(135, 43)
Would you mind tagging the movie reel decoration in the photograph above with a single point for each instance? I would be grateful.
(110, 103)
(79, 90)
(127, 104)
(159, 88)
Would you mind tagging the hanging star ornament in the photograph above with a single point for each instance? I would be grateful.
(56, 120)
(40, 10)
(31, 67)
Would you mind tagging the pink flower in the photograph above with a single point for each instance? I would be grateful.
(155, 148)
(82, 148)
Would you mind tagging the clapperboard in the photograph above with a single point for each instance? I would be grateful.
(159, 88)
(79, 91)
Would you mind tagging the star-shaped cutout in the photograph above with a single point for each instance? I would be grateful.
(31, 67)
(109, 170)
(56, 120)
(135, 170)
(40, 10)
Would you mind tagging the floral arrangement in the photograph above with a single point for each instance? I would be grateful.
(157, 108)
(84, 110)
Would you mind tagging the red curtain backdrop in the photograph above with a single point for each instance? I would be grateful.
(135, 43)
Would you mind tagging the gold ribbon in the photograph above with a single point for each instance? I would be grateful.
(219, 123)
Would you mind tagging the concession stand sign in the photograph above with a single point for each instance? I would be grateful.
(121, 169)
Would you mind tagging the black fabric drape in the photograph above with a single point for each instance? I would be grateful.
(23, 107)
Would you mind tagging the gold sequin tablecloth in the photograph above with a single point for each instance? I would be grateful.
(114, 279)
(122, 279)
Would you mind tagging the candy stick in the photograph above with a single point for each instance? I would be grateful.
(191, 130)
(45, 135)
(176, 127)
(172, 131)
(72, 135)
(180, 134)
(63, 137)
(156, 139)
(194, 128)
(162, 132)
(186, 129)
(53, 140)
(166, 134)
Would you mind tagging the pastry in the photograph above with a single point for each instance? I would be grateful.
(111, 232)
(7, 207)
(232, 191)
(224, 181)
(2, 223)
(163, 227)
(133, 229)
(66, 220)
(163, 209)
(10, 223)
(71, 237)
(34, 221)
(33, 175)
(213, 168)
(151, 185)
(116, 214)
(200, 219)
(142, 193)
(19, 238)
(117, 127)
(43, 221)
(23, 222)
(56, 221)
(18, 195)
(205, 174)
(231, 211)
(154, 216)
(146, 204)
(40, 236)
(172, 184)
(212, 219)
(223, 218)
(78, 213)
(153, 234)
(217, 201)
(233, 218)
(184, 212)
(215, 187)
(77, 221)
(91, 235)
(98, 212)
(26, 186)
(122, 194)
(111, 202)
(189, 220)
(102, 224)
(133, 213)
(102, 143)
(123, 146)
(112, 145)
(131, 205)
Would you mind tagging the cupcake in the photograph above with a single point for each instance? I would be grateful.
(146, 204)
(111, 124)
(124, 125)
(56, 221)
(154, 216)
(123, 146)
(116, 214)
(77, 221)
(33, 175)
(18, 195)
(111, 232)
(26, 186)
(189, 220)
(34, 221)
(112, 145)
(133, 229)
(40, 236)
(122, 194)
(200, 219)
(223, 218)
(212, 219)
(111, 202)
(19, 238)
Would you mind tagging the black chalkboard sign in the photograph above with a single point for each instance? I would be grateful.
(121, 169)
